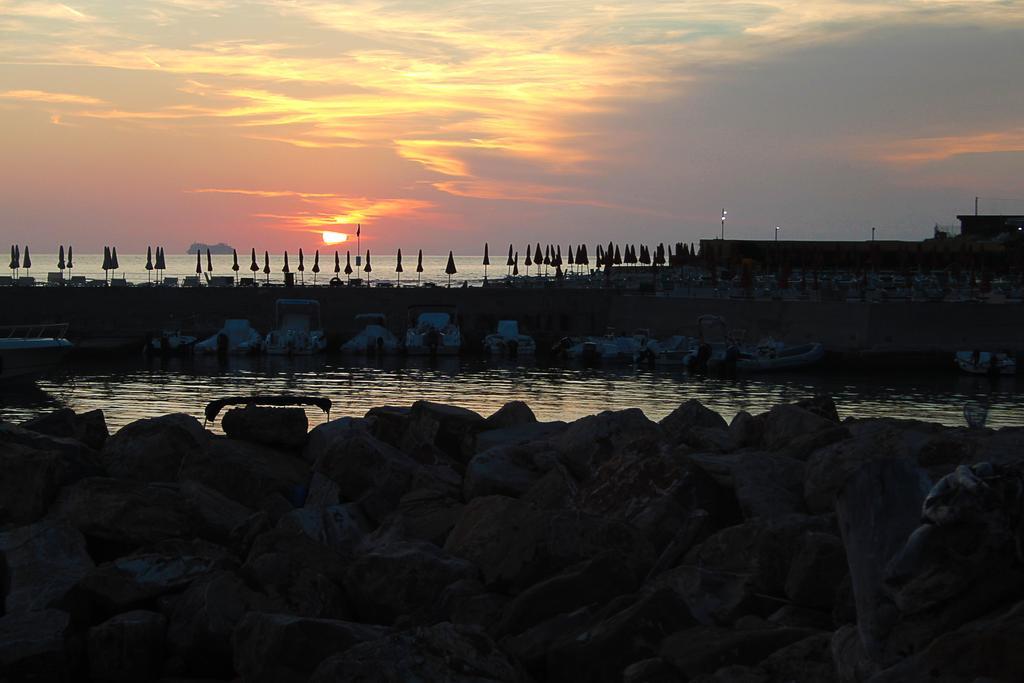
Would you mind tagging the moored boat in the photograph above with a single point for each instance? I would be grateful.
(433, 332)
(298, 331)
(986, 363)
(773, 355)
(237, 337)
(27, 351)
(171, 342)
(509, 341)
(374, 339)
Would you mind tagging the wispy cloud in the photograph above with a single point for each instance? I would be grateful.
(49, 97)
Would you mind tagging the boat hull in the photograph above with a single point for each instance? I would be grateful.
(28, 358)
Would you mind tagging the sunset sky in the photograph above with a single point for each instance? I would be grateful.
(440, 124)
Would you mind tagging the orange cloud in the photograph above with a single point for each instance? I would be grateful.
(925, 150)
(49, 97)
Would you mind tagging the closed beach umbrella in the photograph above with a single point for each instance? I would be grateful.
(419, 266)
(367, 268)
(348, 264)
(302, 267)
(60, 260)
(234, 263)
(17, 257)
(558, 257)
(510, 262)
(70, 259)
(199, 262)
(209, 262)
(159, 265)
(450, 268)
(487, 261)
(316, 264)
(254, 267)
(266, 265)
(114, 265)
(570, 258)
(337, 263)
(28, 260)
(515, 264)
(106, 262)
(149, 262)
(617, 258)
(286, 269)
(14, 258)
(398, 266)
(538, 258)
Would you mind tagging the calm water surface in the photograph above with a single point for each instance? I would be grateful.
(135, 387)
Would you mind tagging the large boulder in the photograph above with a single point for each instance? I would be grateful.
(427, 515)
(401, 578)
(516, 545)
(817, 570)
(697, 426)
(321, 437)
(782, 425)
(278, 427)
(444, 652)
(34, 646)
(591, 441)
(90, 427)
(128, 647)
(442, 427)
(272, 648)
(705, 649)
(29, 485)
(807, 661)
(765, 484)
(125, 514)
(220, 519)
(153, 449)
(512, 414)
(538, 435)
(378, 475)
(41, 565)
(257, 476)
(342, 527)
(505, 470)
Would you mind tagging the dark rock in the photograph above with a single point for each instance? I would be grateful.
(589, 442)
(277, 427)
(556, 490)
(445, 652)
(202, 619)
(734, 674)
(786, 423)
(123, 513)
(802, 617)
(153, 449)
(516, 545)
(503, 470)
(128, 647)
(40, 565)
(250, 474)
(705, 649)
(388, 423)
(342, 527)
(653, 670)
(531, 647)
(440, 426)
(765, 484)
(468, 602)
(512, 414)
(538, 435)
(817, 571)
(877, 510)
(33, 646)
(802, 447)
(367, 469)
(746, 430)
(807, 661)
(597, 580)
(823, 406)
(624, 635)
(427, 515)
(220, 519)
(29, 485)
(323, 492)
(401, 578)
(271, 648)
(323, 435)
(90, 427)
(696, 426)
(302, 576)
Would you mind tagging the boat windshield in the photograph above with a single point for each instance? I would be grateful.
(435, 320)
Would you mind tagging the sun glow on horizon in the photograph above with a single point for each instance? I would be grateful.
(334, 237)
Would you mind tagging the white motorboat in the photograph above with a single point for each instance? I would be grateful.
(374, 339)
(433, 332)
(30, 350)
(298, 331)
(171, 342)
(676, 351)
(986, 363)
(508, 341)
(772, 355)
(612, 348)
(237, 337)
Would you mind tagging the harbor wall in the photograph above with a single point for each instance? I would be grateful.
(112, 316)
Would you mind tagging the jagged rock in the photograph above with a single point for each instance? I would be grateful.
(765, 484)
(272, 648)
(737, 673)
(468, 602)
(746, 430)
(802, 617)
(90, 427)
(369, 470)
(816, 571)
(154, 448)
(699, 427)
(440, 426)
(342, 527)
(597, 580)
(388, 423)
(988, 648)
(807, 661)
(704, 649)
(128, 647)
(427, 515)
(653, 670)
(202, 619)
(78, 456)
(516, 545)
(218, 518)
(40, 565)
(29, 485)
(512, 414)
(537, 435)
(122, 513)
(556, 490)
(323, 492)
(137, 580)
(821, 405)
(444, 652)
(626, 631)
(323, 435)
(277, 427)
(303, 577)
(33, 646)
(401, 578)
(249, 473)
(503, 470)
(589, 442)
(786, 423)
(531, 647)
(883, 490)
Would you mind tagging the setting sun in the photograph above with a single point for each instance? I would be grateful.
(334, 237)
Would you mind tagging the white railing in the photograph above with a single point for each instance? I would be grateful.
(44, 331)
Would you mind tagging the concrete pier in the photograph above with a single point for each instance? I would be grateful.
(892, 330)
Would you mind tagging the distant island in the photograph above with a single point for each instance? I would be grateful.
(219, 248)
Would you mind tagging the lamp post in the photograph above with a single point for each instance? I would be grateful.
(872, 234)
(724, 212)
(776, 233)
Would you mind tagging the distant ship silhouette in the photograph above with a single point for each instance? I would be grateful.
(219, 248)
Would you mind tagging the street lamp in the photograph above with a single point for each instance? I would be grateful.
(872, 234)
(724, 212)
(776, 233)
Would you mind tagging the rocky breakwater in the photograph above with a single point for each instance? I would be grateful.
(431, 543)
